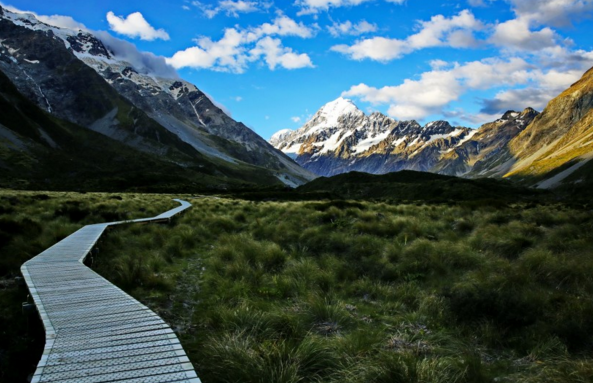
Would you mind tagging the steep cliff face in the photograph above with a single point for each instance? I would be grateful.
(341, 138)
(560, 139)
(77, 77)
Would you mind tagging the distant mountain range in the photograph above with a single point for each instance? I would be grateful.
(341, 138)
(85, 111)
(544, 150)
(134, 105)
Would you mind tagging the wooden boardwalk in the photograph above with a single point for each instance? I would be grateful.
(95, 332)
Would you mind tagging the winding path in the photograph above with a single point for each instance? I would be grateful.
(95, 332)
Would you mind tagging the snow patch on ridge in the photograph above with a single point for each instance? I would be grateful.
(467, 138)
(294, 148)
(399, 141)
(367, 143)
(454, 133)
(279, 136)
(333, 142)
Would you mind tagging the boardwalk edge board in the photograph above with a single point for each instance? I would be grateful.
(64, 289)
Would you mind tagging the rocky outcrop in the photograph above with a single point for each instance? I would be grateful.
(485, 155)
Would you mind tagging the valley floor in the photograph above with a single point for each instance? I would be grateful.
(335, 291)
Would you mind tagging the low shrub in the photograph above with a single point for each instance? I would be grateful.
(507, 308)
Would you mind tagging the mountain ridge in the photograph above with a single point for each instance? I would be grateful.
(162, 116)
(377, 144)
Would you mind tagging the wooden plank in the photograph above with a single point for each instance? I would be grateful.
(95, 332)
(114, 362)
(119, 368)
(82, 360)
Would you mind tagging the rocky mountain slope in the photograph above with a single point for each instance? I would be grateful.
(79, 78)
(43, 152)
(341, 138)
(481, 155)
(558, 146)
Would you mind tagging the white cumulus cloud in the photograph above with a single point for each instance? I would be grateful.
(283, 26)
(512, 99)
(134, 25)
(413, 99)
(62, 22)
(348, 28)
(526, 85)
(143, 62)
(226, 54)
(315, 6)
(456, 31)
(479, 3)
(275, 54)
(240, 47)
(232, 7)
(516, 34)
(557, 13)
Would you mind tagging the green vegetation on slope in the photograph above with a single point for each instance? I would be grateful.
(354, 291)
(411, 185)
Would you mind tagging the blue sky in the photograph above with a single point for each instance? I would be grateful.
(272, 64)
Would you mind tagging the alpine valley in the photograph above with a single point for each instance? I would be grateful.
(545, 150)
(83, 110)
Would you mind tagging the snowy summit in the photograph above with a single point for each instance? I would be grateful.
(329, 114)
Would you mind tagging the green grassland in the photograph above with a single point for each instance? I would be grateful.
(333, 290)
(350, 291)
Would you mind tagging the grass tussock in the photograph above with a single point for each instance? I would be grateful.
(354, 291)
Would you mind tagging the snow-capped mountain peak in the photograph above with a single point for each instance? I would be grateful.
(330, 114)
(28, 20)
(339, 107)
(341, 138)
